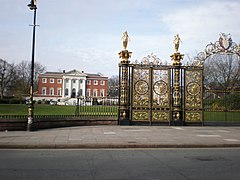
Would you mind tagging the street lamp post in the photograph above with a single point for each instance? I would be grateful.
(32, 6)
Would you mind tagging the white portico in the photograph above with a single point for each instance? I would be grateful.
(74, 84)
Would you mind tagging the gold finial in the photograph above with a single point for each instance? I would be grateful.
(125, 39)
(176, 42)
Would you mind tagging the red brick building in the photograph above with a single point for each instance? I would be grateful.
(50, 84)
(96, 86)
(58, 86)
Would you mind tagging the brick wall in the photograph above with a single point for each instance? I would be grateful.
(49, 83)
(96, 85)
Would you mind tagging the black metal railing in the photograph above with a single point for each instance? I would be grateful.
(93, 107)
(221, 106)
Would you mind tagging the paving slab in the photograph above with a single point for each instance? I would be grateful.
(122, 137)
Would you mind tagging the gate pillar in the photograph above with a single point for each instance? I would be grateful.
(176, 105)
(124, 115)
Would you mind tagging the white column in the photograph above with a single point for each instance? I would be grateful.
(84, 87)
(77, 88)
(69, 87)
(63, 88)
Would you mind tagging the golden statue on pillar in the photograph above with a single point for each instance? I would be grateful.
(125, 54)
(177, 57)
(176, 42)
(125, 39)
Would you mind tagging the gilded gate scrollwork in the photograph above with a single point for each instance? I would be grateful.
(151, 90)
(193, 94)
(161, 94)
(140, 102)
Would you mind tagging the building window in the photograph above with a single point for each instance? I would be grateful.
(73, 95)
(66, 92)
(88, 82)
(51, 80)
(74, 81)
(80, 92)
(66, 80)
(88, 92)
(59, 81)
(95, 82)
(59, 92)
(102, 83)
(81, 81)
(102, 92)
(51, 91)
(44, 91)
(44, 80)
(95, 93)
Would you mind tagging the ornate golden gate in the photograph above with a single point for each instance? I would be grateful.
(154, 93)
(150, 92)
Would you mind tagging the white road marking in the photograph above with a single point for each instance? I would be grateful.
(231, 140)
(225, 131)
(138, 130)
(109, 133)
(212, 135)
(178, 128)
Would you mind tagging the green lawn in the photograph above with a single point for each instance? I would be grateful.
(22, 109)
(40, 109)
(222, 116)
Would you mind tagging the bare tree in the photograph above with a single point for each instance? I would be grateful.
(113, 83)
(23, 70)
(222, 72)
(7, 78)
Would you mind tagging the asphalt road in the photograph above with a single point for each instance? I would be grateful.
(120, 164)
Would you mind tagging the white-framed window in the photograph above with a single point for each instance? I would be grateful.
(102, 82)
(80, 92)
(51, 80)
(88, 82)
(81, 81)
(74, 81)
(59, 91)
(102, 92)
(44, 80)
(95, 93)
(95, 82)
(44, 91)
(52, 91)
(59, 81)
(66, 92)
(88, 92)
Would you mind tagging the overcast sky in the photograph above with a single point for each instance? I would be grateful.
(86, 34)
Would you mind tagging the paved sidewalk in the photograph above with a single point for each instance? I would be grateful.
(123, 137)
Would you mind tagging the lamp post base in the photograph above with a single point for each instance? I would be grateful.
(30, 124)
